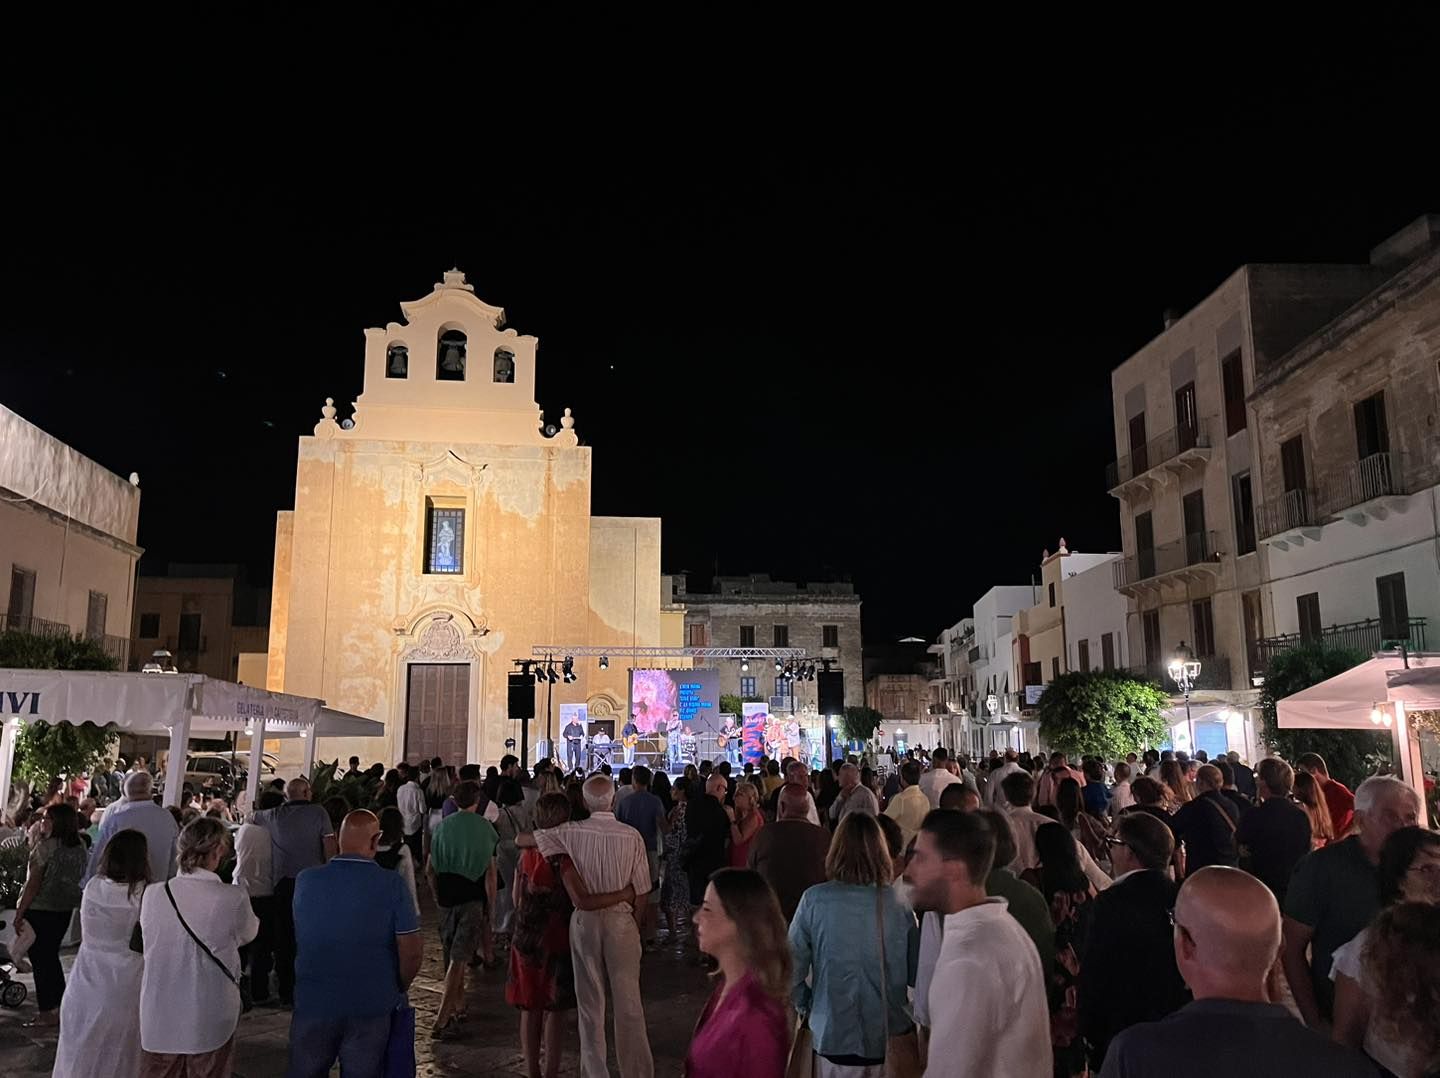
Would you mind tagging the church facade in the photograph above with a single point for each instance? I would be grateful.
(443, 531)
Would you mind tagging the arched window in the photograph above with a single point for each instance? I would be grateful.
(397, 361)
(504, 365)
(450, 357)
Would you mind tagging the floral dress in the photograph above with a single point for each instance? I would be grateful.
(675, 890)
(541, 975)
(1070, 911)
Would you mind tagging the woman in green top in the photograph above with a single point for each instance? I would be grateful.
(51, 896)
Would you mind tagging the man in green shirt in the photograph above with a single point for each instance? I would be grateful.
(1027, 904)
(462, 877)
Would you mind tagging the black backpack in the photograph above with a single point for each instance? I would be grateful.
(389, 858)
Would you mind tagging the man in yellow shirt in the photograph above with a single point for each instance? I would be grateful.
(909, 806)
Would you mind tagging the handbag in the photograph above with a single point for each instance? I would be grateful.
(400, 1047)
(801, 1063)
(902, 1051)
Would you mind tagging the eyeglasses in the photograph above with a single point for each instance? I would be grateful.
(1115, 840)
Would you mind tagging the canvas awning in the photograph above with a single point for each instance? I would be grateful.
(177, 705)
(1385, 688)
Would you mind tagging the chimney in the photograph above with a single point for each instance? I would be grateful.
(1171, 316)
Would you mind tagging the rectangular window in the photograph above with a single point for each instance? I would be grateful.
(782, 636)
(444, 539)
(1107, 651)
(149, 626)
(189, 639)
(1202, 621)
(747, 636)
(747, 686)
(1394, 610)
(1083, 656)
(1052, 594)
(1033, 674)
(95, 614)
(1250, 611)
(22, 598)
(1187, 419)
(1372, 436)
(782, 690)
(1054, 667)
(1150, 627)
(1308, 609)
(1292, 463)
(1139, 453)
(1197, 543)
(829, 636)
(1144, 546)
(1244, 514)
(696, 629)
(1232, 378)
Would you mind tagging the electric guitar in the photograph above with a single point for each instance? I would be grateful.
(630, 740)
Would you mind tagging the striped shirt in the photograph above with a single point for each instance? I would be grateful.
(608, 854)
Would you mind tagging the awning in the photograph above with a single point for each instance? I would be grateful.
(343, 724)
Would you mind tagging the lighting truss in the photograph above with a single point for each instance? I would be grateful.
(549, 651)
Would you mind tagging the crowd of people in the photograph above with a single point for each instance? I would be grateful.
(1008, 916)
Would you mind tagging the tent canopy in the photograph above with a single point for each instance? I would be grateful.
(1344, 702)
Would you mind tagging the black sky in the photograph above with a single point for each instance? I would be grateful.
(815, 338)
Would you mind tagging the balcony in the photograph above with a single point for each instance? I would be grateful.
(15, 623)
(1357, 492)
(117, 647)
(976, 654)
(1185, 559)
(1163, 458)
(1214, 673)
(1364, 636)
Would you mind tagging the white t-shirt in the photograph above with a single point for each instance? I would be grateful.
(933, 782)
(1397, 1058)
(988, 996)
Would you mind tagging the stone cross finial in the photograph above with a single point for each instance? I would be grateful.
(454, 278)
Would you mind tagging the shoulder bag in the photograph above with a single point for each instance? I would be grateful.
(902, 1051)
(198, 941)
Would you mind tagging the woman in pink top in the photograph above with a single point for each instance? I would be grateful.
(745, 823)
(740, 926)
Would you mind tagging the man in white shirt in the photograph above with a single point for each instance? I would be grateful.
(987, 992)
(1017, 791)
(854, 797)
(1121, 796)
(938, 777)
(992, 787)
(253, 856)
(410, 799)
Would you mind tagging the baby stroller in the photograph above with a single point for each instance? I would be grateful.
(12, 992)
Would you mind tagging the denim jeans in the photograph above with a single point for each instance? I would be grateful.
(359, 1044)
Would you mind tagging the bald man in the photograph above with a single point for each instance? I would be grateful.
(1226, 936)
(359, 949)
(790, 853)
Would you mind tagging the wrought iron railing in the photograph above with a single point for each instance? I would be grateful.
(1286, 512)
(1361, 481)
(1193, 549)
(16, 623)
(1364, 636)
(1157, 451)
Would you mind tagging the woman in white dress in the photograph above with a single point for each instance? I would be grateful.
(100, 1012)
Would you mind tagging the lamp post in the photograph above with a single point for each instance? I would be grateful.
(1185, 671)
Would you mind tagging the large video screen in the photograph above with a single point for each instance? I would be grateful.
(692, 696)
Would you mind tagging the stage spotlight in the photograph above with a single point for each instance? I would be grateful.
(550, 674)
(604, 663)
(779, 666)
(744, 666)
(568, 668)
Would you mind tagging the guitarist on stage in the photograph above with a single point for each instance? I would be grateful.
(629, 735)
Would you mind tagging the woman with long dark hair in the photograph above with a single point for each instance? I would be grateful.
(740, 926)
(675, 885)
(513, 818)
(49, 900)
(1070, 896)
(100, 1013)
(1090, 833)
(1312, 800)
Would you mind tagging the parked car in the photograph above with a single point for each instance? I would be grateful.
(215, 771)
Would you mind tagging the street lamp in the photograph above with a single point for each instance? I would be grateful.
(1185, 671)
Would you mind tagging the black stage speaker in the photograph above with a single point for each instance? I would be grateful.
(522, 696)
(831, 686)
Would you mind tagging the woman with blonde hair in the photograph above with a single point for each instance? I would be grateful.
(740, 926)
(1312, 800)
(855, 998)
(1178, 788)
(745, 823)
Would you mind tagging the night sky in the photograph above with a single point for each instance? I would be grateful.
(815, 340)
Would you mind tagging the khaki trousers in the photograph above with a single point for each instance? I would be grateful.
(605, 946)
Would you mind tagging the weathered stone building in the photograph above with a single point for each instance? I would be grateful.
(444, 531)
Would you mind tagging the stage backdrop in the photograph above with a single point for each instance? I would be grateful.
(693, 695)
(757, 716)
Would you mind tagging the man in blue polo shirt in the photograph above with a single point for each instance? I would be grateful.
(358, 948)
(645, 812)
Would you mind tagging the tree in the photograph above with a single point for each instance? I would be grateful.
(860, 723)
(730, 704)
(1104, 712)
(45, 751)
(1350, 755)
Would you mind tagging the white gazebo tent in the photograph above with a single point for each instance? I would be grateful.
(1375, 696)
(177, 705)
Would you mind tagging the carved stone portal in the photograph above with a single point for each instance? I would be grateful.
(441, 641)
